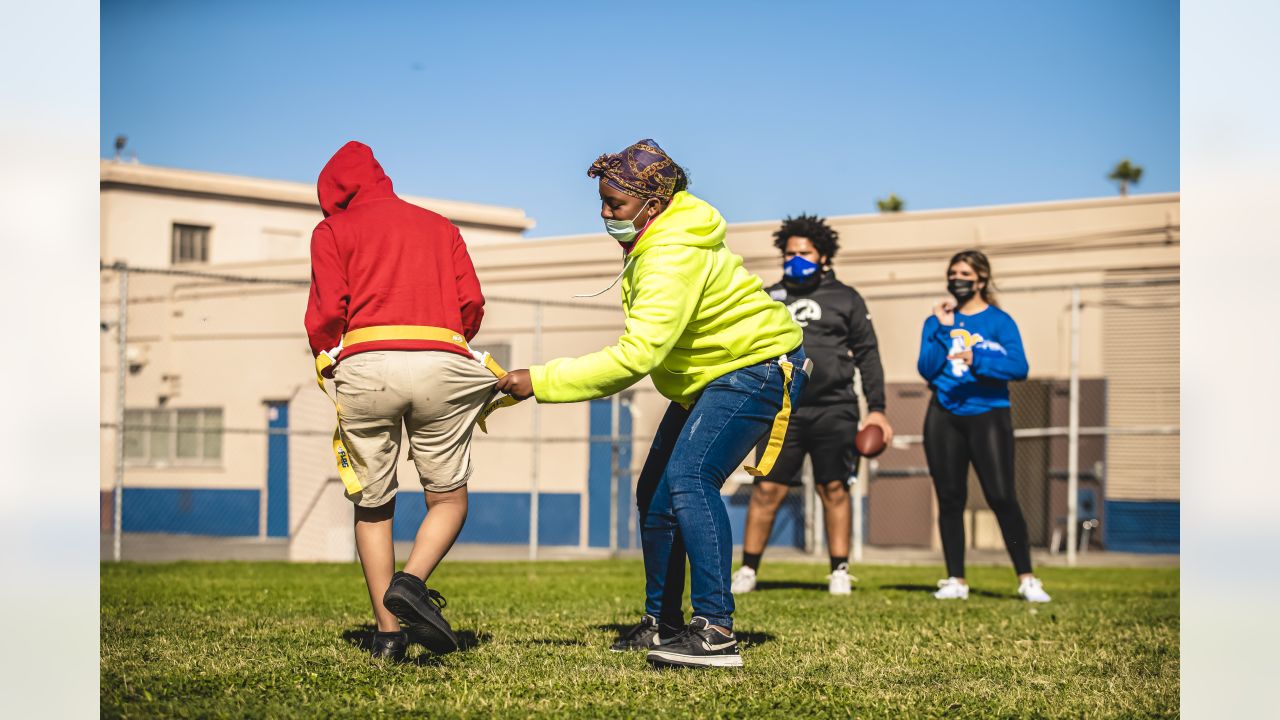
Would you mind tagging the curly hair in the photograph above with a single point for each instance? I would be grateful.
(824, 239)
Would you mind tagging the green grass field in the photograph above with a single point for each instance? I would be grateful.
(280, 640)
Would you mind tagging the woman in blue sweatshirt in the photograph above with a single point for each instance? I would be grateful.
(969, 351)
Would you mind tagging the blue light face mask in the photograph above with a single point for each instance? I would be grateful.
(799, 269)
(624, 231)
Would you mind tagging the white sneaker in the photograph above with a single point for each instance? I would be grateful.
(952, 589)
(1032, 590)
(744, 581)
(840, 582)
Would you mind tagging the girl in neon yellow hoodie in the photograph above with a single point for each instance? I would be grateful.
(729, 359)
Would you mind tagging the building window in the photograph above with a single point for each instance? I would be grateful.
(183, 436)
(190, 243)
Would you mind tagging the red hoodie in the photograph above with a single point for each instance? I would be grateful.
(378, 260)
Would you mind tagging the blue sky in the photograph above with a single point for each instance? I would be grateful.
(774, 108)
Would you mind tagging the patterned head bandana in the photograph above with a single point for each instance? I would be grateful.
(642, 170)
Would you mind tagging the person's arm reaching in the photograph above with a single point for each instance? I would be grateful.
(326, 317)
(664, 300)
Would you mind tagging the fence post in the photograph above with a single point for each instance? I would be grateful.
(1073, 432)
(614, 474)
(537, 440)
(122, 340)
(633, 532)
(819, 521)
(859, 481)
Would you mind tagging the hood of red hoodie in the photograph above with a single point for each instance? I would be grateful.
(351, 175)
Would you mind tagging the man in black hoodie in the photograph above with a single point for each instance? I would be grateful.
(838, 336)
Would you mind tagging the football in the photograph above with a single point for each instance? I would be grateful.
(870, 441)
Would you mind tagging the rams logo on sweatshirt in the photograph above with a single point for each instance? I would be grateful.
(805, 311)
(962, 340)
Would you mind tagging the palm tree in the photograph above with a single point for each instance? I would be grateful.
(1124, 173)
(893, 203)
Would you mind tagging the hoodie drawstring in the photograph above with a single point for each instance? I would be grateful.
(625, 265)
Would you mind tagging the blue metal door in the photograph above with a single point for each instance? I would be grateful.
(278, 469)
(606, 466)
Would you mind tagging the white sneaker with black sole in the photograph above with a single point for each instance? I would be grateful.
(699, 646)
(952, 589)
(744, 581)
(1032, 590)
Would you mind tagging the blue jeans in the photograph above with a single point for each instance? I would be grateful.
(678, 494)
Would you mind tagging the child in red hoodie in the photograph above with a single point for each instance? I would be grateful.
(394, 300)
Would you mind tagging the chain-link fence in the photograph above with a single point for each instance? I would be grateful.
(226, 443)
(1096, 443)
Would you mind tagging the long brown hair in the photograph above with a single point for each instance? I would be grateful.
(982, 267)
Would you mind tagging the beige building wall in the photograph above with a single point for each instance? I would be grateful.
(898, 263)
(206, 343)
(251, 219)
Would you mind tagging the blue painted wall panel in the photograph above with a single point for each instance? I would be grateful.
(559, 518)
(493, 517)
(190, 512)
(1142, 526)
(500, 518)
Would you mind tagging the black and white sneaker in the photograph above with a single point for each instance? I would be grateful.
(418, 609)
(389, 645)
(645, 635)
(699, 645)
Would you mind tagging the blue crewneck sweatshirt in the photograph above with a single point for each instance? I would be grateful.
(998, 357)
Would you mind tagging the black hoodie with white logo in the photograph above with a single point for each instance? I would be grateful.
(838, 336)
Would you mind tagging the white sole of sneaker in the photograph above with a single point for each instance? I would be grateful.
(658, 657)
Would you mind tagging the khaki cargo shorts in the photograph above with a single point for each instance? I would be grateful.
(437, 396)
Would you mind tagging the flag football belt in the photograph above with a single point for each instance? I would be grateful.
(780, 421)
(325, 360)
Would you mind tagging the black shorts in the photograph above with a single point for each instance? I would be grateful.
(825, 433)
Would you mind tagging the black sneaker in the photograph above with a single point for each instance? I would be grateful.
(418, 609)
(647, 634)
(390, 645)
(698, 646)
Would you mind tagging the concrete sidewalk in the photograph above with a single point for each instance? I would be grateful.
(151, 548)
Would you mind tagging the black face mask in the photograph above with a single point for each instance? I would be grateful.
(962, 290)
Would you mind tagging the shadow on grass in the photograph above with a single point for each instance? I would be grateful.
(934, 588)
(752, 638)
(560, 642)
(746, 637)
(362, 638)
(789, 585)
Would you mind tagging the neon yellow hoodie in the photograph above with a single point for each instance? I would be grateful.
(693, 313)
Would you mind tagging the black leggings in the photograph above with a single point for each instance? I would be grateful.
(951, 442)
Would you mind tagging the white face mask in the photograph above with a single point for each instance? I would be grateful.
(624, 231)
